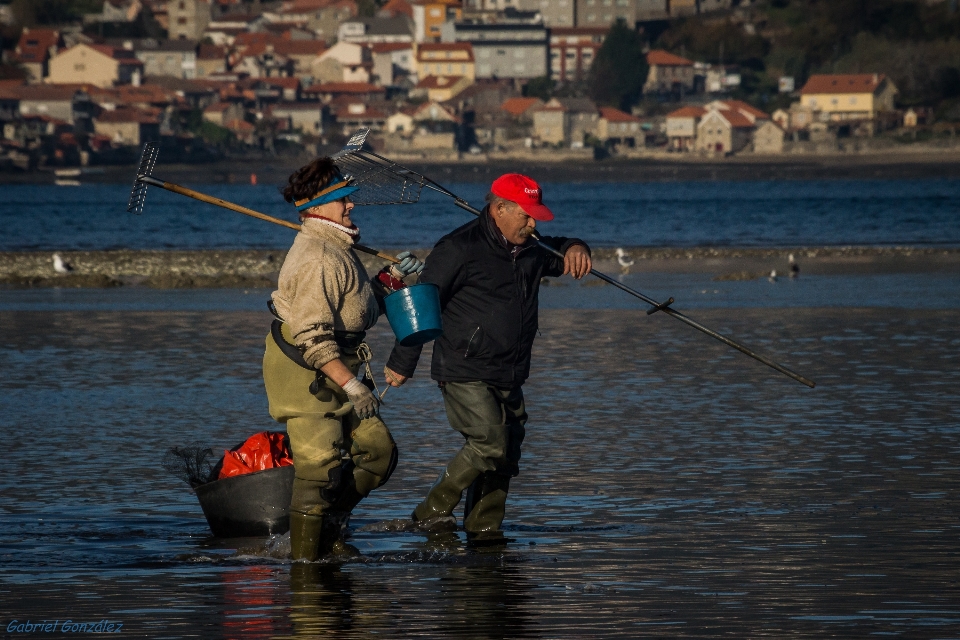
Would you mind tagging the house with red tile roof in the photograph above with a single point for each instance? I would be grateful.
(429, 127)
(129, 125)
(849, 96)
(45, 100)
(96, 64)
(682, 127)
(352, 114)
(521, 108)
(34, 50)
(306, 117)
(211, 59)
(724, 131)
(220, 113)
(618, 127)
(551, 123)
(668, 73)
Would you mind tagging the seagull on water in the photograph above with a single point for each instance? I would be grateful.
(794, 267)
(60, 265)
(622, 260)
(773, 276)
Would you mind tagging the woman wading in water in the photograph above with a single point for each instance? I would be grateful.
(324, 303)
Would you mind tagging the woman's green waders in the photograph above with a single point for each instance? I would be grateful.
(492, 421)
(338, 458)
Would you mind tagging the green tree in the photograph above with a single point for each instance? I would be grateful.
(53, 12)
(620, 68)
(541, 87)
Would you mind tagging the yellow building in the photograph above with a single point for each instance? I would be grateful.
(446, 59)
(849, 97)
(100, 65)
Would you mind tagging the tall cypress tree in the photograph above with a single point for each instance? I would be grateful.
(620, 68)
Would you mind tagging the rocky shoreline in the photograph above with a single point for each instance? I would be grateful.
(249, 269)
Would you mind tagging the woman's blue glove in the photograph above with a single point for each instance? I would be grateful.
(408, 264)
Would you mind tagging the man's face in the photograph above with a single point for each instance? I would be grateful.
(515, 225)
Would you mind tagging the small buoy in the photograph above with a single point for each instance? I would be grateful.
(253, 179)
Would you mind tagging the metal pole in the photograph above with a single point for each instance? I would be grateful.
(665, 308)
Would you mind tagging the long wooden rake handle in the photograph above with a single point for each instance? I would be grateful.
(202, 197)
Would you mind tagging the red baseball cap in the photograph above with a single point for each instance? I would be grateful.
(525, 192)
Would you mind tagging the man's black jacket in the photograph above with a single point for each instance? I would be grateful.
(489, 302)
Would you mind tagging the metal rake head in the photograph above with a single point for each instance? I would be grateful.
(381, 181)
(139, 191)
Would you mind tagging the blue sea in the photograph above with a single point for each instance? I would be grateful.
(676, 214)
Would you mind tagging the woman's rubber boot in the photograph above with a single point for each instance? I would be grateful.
(446, 491)
(311, 536)
(306, 534)
(484, 508)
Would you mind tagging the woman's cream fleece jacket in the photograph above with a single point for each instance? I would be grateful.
(323, 287)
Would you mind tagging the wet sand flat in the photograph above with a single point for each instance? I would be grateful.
(670, 486)
(252, 268)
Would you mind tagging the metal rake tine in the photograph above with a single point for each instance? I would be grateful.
(138, 193)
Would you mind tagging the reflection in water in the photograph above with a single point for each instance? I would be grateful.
(671, 487)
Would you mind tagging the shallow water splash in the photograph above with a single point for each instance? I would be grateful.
(670, 486)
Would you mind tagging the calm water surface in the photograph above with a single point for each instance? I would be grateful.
(680, 214)
(670, 487)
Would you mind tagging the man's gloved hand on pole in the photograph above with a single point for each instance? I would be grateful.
(365, 403)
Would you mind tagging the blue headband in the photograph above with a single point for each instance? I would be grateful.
(339, 188)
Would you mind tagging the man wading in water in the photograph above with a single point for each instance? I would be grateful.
(489, 279)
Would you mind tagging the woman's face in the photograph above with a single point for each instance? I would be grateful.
(338, 211)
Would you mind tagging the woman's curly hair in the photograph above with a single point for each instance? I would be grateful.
(308, 180)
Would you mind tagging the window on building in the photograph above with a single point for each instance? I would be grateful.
(435, 13)
(79, 67)
(182, 5)
(592, 17)
(181, 21)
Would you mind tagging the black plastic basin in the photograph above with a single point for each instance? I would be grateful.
(254, 504)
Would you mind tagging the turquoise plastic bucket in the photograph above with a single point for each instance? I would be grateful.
(414, 314)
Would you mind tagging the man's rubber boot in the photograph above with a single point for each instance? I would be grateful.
(447, 490)
(484, 508)
(306, 534)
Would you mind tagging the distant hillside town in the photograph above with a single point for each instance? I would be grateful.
(443, 79)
